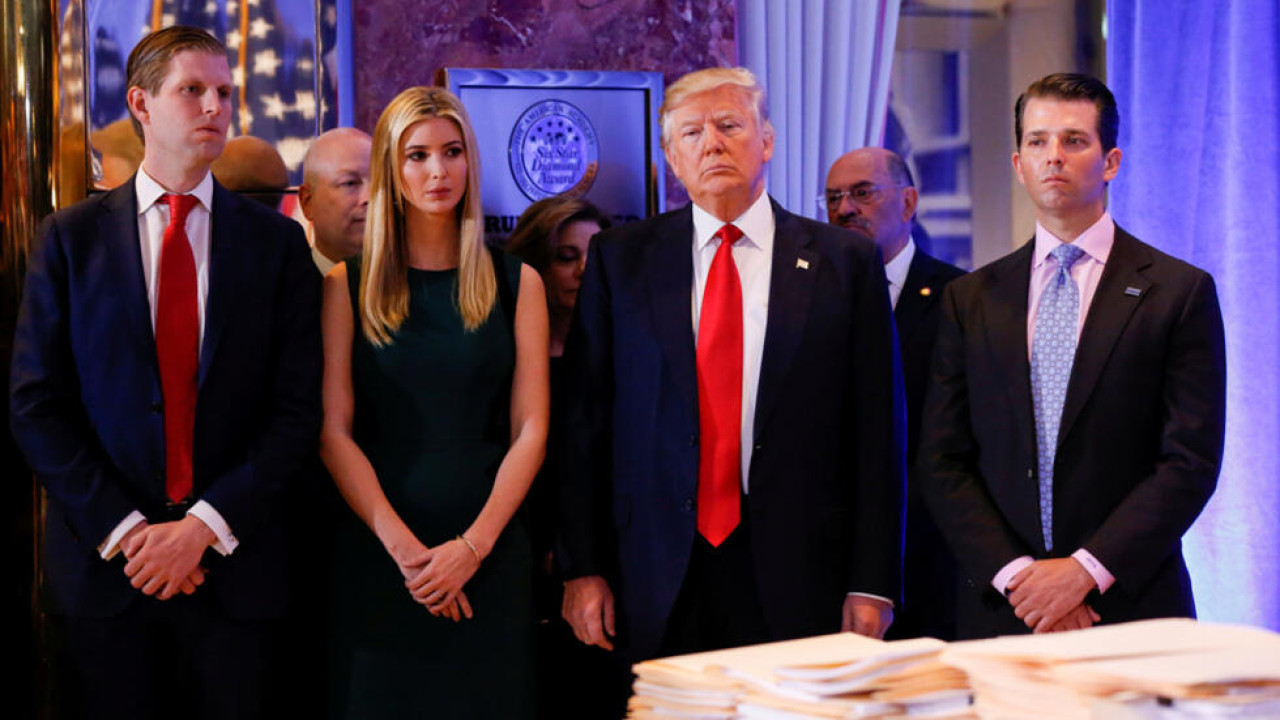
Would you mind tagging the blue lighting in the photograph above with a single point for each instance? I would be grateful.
(1198, 85)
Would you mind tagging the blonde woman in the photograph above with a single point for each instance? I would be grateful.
(435, 404)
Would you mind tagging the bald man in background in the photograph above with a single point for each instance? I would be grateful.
(252, 166)
(334, 194)
(870, 191)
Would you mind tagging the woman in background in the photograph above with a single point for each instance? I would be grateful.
(552, 236)
(574, 680)
(435, 404)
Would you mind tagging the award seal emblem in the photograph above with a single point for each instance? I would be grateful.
(553, 151)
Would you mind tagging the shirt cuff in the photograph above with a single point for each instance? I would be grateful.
(872, 596)
(1001, 581)
(111, 545)
(226, 542)
(1095, 569)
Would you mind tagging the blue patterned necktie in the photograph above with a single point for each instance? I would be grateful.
(1052, 352)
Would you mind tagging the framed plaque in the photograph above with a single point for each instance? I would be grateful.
(550, 132)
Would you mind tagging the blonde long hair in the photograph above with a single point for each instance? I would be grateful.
(384, 274)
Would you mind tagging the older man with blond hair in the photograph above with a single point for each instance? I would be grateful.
(734, 409)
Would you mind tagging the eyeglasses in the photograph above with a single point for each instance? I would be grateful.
(861, 194)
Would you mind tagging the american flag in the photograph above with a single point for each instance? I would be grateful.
(282, 94)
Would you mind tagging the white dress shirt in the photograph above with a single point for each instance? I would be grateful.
(153, 218)
(322, 261)
(896, 270)
(753, 255)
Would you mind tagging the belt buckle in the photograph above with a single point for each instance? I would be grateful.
(177, 510)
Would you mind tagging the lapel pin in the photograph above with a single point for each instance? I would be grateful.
(802, 263)
(1132, 291)
(926, 291)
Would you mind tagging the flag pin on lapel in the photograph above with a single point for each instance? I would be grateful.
(1132, 291)
(802, 263)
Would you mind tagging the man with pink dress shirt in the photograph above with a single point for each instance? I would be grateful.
(1074, 424)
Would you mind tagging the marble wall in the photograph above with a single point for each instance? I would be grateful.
(399, 43)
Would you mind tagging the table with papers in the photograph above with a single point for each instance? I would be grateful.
(1149, 670)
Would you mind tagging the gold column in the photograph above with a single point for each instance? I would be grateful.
(30, 145)
(28, 37)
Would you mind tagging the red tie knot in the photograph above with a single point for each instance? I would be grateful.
(179, 207)
(729, 234)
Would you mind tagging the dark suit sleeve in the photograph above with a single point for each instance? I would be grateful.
(249, 493)
(950, 479)
(48, 420)
(880, 422)
(1151, 520)
(585, 420)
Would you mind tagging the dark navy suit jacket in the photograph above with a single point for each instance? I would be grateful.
(826, 476)
(86, 401)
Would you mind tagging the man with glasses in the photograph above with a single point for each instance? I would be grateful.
(870, 191)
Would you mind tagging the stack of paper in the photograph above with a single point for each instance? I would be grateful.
(830, 676)
(1176, 668)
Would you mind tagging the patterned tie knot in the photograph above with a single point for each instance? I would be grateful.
(729, 234)
(179, 207)
(1066, 254)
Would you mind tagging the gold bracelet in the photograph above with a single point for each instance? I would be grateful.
(474, 551)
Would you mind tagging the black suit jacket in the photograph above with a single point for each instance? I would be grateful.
(86, 400)
(826, 472)
(929, 572)
(1140, 442)
(916, 316)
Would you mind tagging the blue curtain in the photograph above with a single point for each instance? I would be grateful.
(1198, 84)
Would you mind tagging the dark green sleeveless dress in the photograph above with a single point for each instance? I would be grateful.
(431, 415)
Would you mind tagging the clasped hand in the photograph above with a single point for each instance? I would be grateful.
(164, 559)
(1048, 595)
(435, 577)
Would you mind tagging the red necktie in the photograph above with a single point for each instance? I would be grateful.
(178, 346)
(720, 394)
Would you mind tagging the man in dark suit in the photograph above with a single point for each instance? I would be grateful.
(734, 416)
(1074, 424)
(870, 191)
(165, 390)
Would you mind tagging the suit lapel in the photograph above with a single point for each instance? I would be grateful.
(669, 273)
(1005, 306)
(1113, 304)
(228, 260)
(118, 230)
(791, 284)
